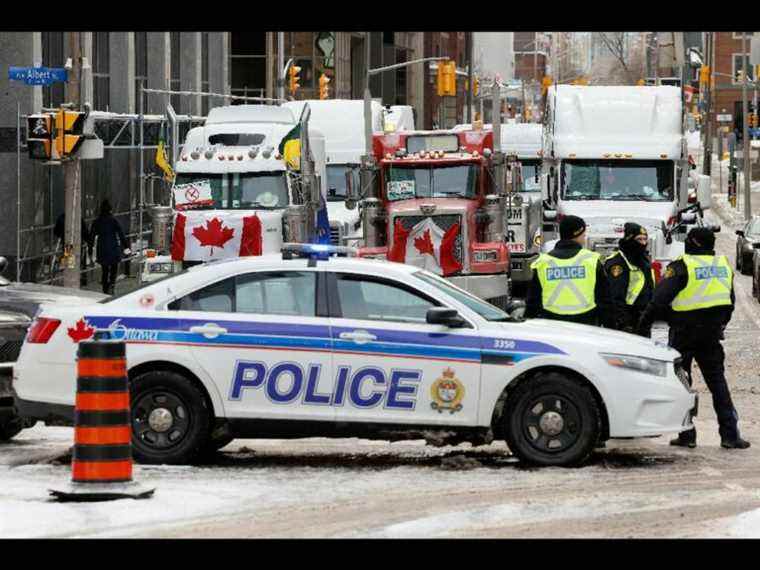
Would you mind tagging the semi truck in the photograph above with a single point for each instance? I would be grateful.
(431, 199)
(234, 193)
(617, 154)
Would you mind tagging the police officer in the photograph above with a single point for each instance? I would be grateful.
(631, 283)
(696, 297)
(569, 282)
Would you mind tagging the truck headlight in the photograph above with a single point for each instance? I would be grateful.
(637, 363)
(484, 255)
(161, 268)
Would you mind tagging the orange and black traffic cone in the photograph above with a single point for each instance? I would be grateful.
(101, 466)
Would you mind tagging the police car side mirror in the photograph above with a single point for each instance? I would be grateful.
(740, 233)
(516, 309)
(444, 316)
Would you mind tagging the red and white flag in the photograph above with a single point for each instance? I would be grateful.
(204, 236)
(426, 245)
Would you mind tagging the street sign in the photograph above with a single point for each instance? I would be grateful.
(724, 118)
(37, 75)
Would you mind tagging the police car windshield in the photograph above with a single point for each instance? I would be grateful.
(529, 176)
(485, 310)
(242, 190)
(646, 180)
(408, 182)
(336, 181)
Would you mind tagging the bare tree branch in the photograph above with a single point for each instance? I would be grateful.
(616, 47)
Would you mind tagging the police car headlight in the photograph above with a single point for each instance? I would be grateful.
(637, 363)
(485, 255)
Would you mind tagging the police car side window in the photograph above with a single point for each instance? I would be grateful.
(277, 293)
(217, 297)
(373, 299)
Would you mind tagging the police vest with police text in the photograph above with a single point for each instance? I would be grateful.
(567, 285)
(709, 283)
(636, 279)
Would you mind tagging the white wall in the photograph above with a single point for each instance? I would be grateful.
(492, 54)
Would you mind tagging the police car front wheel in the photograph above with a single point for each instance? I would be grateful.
(170, 418)
(551, 419)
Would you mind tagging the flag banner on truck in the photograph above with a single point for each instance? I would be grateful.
(162, 161)
(290, 148)
(427, 246)
(205, 236)
(192, 194)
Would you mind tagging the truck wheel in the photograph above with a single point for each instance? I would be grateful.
(10, 428)
(551, 419)
(170, 419)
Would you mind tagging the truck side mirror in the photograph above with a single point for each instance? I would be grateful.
(704, 192)
(740, 233)
(351, 198)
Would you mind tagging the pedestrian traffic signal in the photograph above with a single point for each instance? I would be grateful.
(69, 132)
(446, 79)
(704, 75)
(39, 138)
(293, 79)
(324, 88)
(546, 82)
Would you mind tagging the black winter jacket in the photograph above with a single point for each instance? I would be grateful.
(623, 316)
(111, 239)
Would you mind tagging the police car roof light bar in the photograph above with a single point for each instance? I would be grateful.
(315, 250)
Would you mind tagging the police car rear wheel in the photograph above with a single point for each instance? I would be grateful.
(170, 419)
(552, 420)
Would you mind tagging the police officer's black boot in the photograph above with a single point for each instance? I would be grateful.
(737, 443)
(686, 438)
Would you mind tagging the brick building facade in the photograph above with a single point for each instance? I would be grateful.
(728, 61)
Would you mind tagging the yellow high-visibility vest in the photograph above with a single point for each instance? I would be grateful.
(636, 279)
(567, 285)
(709, 283)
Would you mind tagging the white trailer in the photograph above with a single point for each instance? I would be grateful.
(616, 154)
(230, 170)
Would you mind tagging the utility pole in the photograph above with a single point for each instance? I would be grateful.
(468, 56)
(72, 179)
(708, 96)
(745, 130)
(280, 65)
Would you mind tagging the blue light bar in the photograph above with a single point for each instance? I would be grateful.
(315, 250)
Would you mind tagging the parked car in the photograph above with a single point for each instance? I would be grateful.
(18, 306)
(756, 274)
(746, 236)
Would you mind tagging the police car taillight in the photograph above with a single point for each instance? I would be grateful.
(41, 330)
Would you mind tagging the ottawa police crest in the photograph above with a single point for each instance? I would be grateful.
(447, 393)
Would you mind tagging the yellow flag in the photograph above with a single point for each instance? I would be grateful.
(163, 163)
(290, 148)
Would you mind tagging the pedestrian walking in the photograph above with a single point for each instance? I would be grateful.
(111, 244)
(631, 281)
(568, 282)
(696, 297)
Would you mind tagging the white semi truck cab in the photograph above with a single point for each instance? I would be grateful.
(230, 177)
(617, 154)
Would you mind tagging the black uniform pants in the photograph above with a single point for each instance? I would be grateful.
(108, 276)
(710, 357)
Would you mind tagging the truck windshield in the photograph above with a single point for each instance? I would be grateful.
(485, 310)
(407, 182)
(243, 190)
(529, 176)
(336, 181)
(647, 180)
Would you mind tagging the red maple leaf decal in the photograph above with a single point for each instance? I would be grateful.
(215, 234)
(424, 244)
(82, 331)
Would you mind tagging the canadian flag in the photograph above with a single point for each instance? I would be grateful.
(204, 236)
(426, 245)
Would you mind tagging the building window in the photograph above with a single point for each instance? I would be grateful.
(737, 66)
(738, 35)
(52, 56)
(205, 85)
(100, 71)
(174, 82)
(141, 69)
(248, 63)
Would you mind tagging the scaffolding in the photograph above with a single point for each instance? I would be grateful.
(36, 246)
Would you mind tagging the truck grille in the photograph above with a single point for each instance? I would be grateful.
(443, 221)
(335, 234)
(9, 350)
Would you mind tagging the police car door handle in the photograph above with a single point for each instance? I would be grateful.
(357, 336)
(209, 330)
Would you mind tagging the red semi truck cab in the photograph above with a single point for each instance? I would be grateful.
(437, 207)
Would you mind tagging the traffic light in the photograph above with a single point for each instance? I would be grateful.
(704, 75)
(39, 138)
(546, 82)
(740, 76)
(69, 132)
(293, 79)
(752, 120)
(446, 78)
(324, 89)
(641, 82)
(475, 86)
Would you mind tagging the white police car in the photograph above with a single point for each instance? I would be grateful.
(280, 348)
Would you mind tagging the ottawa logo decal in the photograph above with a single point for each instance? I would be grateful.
(447, 393)
(82, 331)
